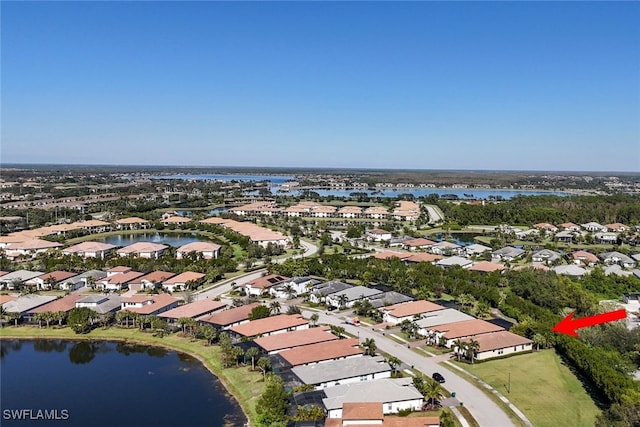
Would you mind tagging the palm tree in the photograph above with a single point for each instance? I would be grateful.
(472, 348)
(209, 333)
(394, 362)
(289, 290)
(337, 331)
(3, 314)
(264, 363)
(432, 391)
(370, 346)
(252, 353)
(274, 307)
(15, 317)
(314, 319)
(48, 317)
(59, 316)
(459, 345)
(39, 317)
(539, 340)
(91, 282)
(342, 301)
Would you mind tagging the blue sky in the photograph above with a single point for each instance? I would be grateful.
(426, 85)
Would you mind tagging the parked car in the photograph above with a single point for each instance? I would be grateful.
(438, 377)
(431, 404)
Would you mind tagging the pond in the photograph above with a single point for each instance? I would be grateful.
(445, 193)
(105, 384)
(171, 239)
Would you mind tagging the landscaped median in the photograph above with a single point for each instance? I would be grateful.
(244, 385)
(541, 386)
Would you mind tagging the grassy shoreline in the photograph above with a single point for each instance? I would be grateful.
(245, 386)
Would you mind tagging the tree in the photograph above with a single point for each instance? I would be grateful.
(259, 312)
(39, 317)
(539, 340)
(3, 315)
(209, 333)
(459, 345)
(472, 348)
(59, 316)
(80, 319)
(252, 353)
(342, 301)
(432, 391)
(370, 346)
(294, 309)
(309, 413)
(289, 290)
(314, 319)
(446, 419)
(237, 353)
(264, 363)
(274, 307)
(337, 331)
(271, 406)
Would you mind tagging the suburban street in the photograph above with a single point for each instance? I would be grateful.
(482, 408)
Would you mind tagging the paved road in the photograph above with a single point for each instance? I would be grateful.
(434, 215)
(482, 408)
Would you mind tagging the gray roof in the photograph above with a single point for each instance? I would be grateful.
(605, 255)
(331, 287)
(565, 233)
(446, 245)
(96, 274)
(356, 292)
(454, 260)
(299, 280)
(382, 390)
(617, 270)
(546, 254)
(388, 298)
(508, 251)
(340, 369)
(28, 302)
(570, 270)
(442, 317)
(21, 275)
(105, 303)
(476, 248)
(636, 256)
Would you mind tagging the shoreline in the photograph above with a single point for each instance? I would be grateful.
(51, 335)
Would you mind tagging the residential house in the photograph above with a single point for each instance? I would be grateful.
(118, 281)
(440, 317)
(274, 344)
(26, 303)
(51, 280)
(143, 250)
(370, 414)
(454, 261)
(570, 270)
(476, 249)
(546, 227)
(64, 304)
(186, 280)
(225, 319)
(93, 226)
(318, 293)
(206, 250)
(616, 270)
(151, 280)
(486, 267)
(29, 248)
(319, 353)
(350, 212)
(376, 212)
(86, 279)
(379, 235)
(605, 238)
(296, 285)
(194, 310)
(118, 269)
(343, 371)
(419, 243)
(388, 298)
(508, 253)
(463, 329)
(149, 305)
(262, 284)
(546, 256)
(585, 258)
(566, 236)
(393, 254)
(273, 325)
(16, 279)
(617, 258)
(395, 394)
(413, 310)
(347, 297)
(617, 227)
(406, 211)
(446, 248)
(175, 221)
(101, 304)
(132, 223)
(422, 257)
(594, 227)
(500, 344)
(569, 226)
(90, 250)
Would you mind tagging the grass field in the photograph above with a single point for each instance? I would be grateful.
(542, 387)
(244, 385)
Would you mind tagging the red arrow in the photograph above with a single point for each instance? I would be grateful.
(568, 325)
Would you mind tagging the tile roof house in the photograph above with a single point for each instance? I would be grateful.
(298, 285)
(351, 295)
(342, 371)
(175, 220)
(486, 267)
(584, 257)
(231, 317)
(546, 226)
(149, 304)
(617, 227)
(101, 304)
(143, 250)
(274, 344)
(419, 243)
(90, 250)
(605, 238)
(150, 280)
(321, 352)
(131, 223)
(446, 248)
(463, 329)
(393, 254)
(594, 226)
(118, 281)
(545, 256)
(569, 226)
(370, 414)
(29, 248)
(379, 235)
(455, 261)
(207, 250)
(86, 279)
(571, 270)
(422, 257)
(617, 258)
(50, 280)
(500, 344)
(65, 304)
(319, 293)
(273, 325)
(25, 303)
(397, 313)
(476, 249)
(508, 253)
(262, 284)
(566, 236)
(17, 278)
(183, 281)
(194, 310)
(440, 317)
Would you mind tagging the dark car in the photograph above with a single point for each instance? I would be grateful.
(432, 404)
(436, 376)
(331, 308)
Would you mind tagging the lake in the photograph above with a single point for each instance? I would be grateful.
(105, 384)
(462, 194)
(274, 179)
(173, 239)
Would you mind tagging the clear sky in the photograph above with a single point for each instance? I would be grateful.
(425, 85)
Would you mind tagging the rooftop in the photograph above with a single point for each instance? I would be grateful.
(25, 303)
(295, 339)
(380, 390)
(269, 324)
(466, 328)
(322, 351)
(500, 339)
(89, 247)
(65, 303)
(231, 316)
(186, 277)
(142, 247)
(412, 308)
(336, 370)
(194, 309)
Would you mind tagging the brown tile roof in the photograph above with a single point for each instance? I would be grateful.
(615, 226)
(216, 220)
(119, 269)
(231, 316)
(131, 220)
(159, 301)
(194, 309)
(269, 324)
(199, 247)
(267, 281)
(412, 308)
(323, 351)
(57, 276)
(378, 231)
(33, 244)
(486, 267)
(90, 223)
(391, 254)
(578, 255)
(6, 298)
(176, 220)
(500, 339)
(295, 339)
(424, 257)
(466, 328)
(419, 242)
(89, 247)
(142, 247)
(122, 278)
(65, 303)
(376, 210)
(411, 422)
(155, 276)
(350, 210)
(362, 411)
(568, 225)
(186, 277)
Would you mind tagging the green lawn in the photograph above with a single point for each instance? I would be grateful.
(542, 387)
(246, 386)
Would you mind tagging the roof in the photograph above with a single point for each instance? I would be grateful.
(378, 230)
(122, 278)
(486, 267)
(570, 270)
(91, 223)
(142, 247)
(328, 288)
(33, 244)
(131, 220)
(584, 255)
(119, 269)
(362, 411)
(6, 298)
(21, 275)
(89, 247)
(454, 260)
(159, 301)
(423, 257)
(336, 370)
(231, 316)
(295, 339)
(391, 254)
(500, 339)
(447, 245)
(476, 248)
(380, 390)
(357, 292)
(388, 298)
(412, 308)
(96, 274)
(155, 277)
(194, 309)
(216, 220)
(65, 303)
(186, 277)
(176, 220)
(322, 351)
(509, 251)
(25, 303)
(411, 422)
(265, 282)
(441, 317)
(419, 242)
(56, 276)
(105, 303)
(269, 324)
(199, 247)
(466, 328)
